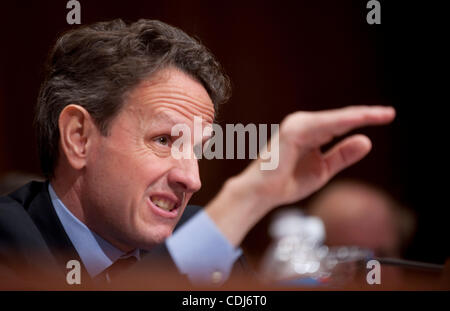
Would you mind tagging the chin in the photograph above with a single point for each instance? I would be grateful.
(154, 236)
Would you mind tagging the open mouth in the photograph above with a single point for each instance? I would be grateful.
(163, 203)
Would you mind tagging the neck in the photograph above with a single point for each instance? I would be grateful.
(68, 191)
(68, 188)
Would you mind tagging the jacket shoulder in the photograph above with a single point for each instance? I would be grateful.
(23, 250)
(15, 222)
(18, 232)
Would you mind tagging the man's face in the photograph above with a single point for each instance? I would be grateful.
(134, 191)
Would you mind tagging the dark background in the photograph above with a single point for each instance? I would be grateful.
(281, 57)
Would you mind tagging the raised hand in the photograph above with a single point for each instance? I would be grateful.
(302, 167)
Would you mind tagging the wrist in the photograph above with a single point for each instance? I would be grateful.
(237, 208)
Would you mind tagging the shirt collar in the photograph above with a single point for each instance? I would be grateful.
(96, 253)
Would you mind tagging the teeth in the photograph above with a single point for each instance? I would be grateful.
(163, 203)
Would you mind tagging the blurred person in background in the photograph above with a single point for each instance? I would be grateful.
(359, 214)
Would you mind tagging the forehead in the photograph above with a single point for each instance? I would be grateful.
(171, 91)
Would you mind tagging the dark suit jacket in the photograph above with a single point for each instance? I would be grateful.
(34, 246)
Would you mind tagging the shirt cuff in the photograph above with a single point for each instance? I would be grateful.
(200, 251)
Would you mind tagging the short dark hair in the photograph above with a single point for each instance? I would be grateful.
(95, 65)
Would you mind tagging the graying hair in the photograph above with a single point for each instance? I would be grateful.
(94, 66)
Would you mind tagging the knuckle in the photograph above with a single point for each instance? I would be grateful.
(293, 122)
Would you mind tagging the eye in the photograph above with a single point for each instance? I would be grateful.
(163, 140)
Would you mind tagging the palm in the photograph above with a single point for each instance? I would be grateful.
(303, 168)
(309, 175)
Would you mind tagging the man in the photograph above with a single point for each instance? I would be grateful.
(357, 213)
(112, 94)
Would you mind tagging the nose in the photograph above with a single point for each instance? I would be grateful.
(185, 176)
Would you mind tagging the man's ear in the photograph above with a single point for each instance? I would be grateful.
(77, 131)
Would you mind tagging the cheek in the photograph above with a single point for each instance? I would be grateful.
(150, 171)
(112, 175)
(124, 175)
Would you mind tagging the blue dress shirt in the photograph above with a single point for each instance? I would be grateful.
(198, 248)
(201, 251)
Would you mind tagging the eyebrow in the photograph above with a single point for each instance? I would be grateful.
(174, 120)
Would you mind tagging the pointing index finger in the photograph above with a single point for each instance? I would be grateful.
(323, 126)
(344, 120)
